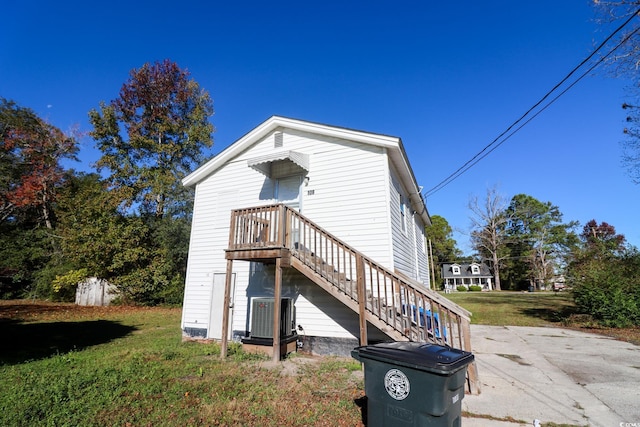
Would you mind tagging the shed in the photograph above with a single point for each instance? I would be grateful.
(94, 291)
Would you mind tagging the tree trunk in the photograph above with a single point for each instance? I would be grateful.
(45, 209)
(496, 272)
(160, 205)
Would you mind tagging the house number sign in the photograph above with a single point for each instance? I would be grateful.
(397, 384)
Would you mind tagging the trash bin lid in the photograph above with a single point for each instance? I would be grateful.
(435, 358)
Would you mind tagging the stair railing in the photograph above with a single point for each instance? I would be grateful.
(406, 306)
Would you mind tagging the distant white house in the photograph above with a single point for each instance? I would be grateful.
(466, 274)
(358, 186)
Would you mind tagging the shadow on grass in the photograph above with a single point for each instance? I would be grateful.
(30, 341)
(550, 314)
(362, 403)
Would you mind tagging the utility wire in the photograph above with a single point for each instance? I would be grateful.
(497, 141)
(471, 164)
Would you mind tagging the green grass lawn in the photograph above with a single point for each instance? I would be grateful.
(62, 365)
(516, 308)
(534, 309)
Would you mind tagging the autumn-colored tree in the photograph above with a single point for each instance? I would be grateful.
(598, 238)
(152, 135)
(31, 150)
(31, 178)
(11, 116)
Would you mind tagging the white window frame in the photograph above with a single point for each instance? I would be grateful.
(403, 214)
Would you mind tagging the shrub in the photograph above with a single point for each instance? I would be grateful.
(609, 291)
(66, 284)
(461, 288)
(475, 288)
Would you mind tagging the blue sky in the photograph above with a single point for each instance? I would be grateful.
(446, 77)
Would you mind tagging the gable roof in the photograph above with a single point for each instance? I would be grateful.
(393, 145)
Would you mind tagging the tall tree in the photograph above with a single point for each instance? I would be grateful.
(165, 116)
(90, 225)
(31, 178)
(443, 245)
(605, 276)
(489, 234)
(12, 116)
(101, 241)
(537, 236)
(599, 238)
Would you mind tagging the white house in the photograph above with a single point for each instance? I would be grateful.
(360, 190)
(466, 274)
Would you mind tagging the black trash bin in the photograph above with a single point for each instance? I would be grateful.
(413, 384)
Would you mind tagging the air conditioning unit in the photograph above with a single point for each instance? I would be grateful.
(262, 310)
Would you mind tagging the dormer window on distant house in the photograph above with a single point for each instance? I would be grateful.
(455, 269)
(475, 269)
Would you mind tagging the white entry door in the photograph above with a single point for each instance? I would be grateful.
(217, 305)
(288, 191)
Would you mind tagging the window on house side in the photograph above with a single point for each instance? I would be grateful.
(403, 217)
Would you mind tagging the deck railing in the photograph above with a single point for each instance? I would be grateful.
(389, 300)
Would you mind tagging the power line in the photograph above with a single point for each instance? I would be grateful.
(499, 140)
(471, 164)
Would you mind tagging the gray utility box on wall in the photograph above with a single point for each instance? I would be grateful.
(413, 384)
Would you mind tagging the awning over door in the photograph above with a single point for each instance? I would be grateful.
(281, 163)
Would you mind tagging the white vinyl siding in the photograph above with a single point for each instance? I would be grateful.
(349, 200)
(215, 198)
(200, 267)
(422, 255)
(409, 255)
(403, 237)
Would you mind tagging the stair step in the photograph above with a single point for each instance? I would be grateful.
(375, 306)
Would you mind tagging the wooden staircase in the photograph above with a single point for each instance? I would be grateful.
(402, 308)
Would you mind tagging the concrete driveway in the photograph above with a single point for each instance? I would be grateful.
(553, 375)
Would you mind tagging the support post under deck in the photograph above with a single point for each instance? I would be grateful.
(276, 310)
(225, 309)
